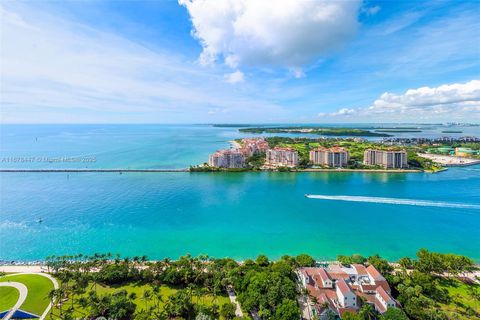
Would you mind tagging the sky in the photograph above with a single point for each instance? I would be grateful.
(239, 61)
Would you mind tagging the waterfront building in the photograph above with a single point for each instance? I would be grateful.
(345, 295)
(332, 157)
(251, 146)
(232, 158)
(339, 289)
(286, 157)
(385, 158)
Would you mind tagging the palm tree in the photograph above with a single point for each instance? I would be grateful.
(367, 312)
(147, 296)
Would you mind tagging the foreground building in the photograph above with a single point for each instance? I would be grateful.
(338, 289)
(385, 158)
(227, 159)
(282, 157)
(332, 157)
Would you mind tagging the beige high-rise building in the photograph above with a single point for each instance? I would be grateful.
(332, 157)
(253, 146)
(227, 159)
(385, 158)
(286, 157)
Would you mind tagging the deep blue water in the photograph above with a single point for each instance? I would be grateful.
(238, 215)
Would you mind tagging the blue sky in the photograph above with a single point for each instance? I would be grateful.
(237, 61)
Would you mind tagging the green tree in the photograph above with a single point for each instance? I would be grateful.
(367, 312)
(262, 260)
(304, 260)
(287, 310)
(394, 314)
(227, 311)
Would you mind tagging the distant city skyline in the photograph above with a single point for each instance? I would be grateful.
(239, 61)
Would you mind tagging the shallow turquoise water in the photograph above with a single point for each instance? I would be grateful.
(238, 215)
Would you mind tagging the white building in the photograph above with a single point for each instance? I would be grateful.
(383, 300)
(345, 295)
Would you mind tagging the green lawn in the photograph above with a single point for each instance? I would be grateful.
(8, 298)
(463, 299)
(166, 291)
(38, 289)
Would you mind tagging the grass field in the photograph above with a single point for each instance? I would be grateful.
(38, 289)
(464, 298)
(8, 298)
(139, 301)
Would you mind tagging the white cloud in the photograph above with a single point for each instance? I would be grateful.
(343, 112)
(235, 77)
(372, 10)
(284, 33)
(57, 70)
(459, 101)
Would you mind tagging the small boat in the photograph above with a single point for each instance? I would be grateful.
(40, 220)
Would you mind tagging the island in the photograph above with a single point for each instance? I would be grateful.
(343, 155)
(347, 132)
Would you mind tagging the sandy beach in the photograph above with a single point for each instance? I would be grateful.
(450, 161)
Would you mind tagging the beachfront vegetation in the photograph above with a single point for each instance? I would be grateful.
(189, 288)
(432, 286)
(351, 132)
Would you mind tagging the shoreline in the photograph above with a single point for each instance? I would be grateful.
(234, 144)
(186, 170)
(363, 170)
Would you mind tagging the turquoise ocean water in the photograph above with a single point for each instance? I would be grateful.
(238, 214)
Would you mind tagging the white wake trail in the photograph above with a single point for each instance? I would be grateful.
(409, 202)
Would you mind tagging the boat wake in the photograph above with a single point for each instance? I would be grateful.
(409, 202)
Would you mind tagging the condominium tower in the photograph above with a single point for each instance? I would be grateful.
(227, 159)
(332, 157)
(287, 157)
(385, 158)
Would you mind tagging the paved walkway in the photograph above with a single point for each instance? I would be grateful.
(55, 286)
(21, 299)
(233, 299)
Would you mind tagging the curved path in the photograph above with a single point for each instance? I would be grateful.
(17, 305)
(21, 299)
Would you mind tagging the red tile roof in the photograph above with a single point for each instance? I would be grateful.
(360, 268)
(283, 149)
(323, 274)
(385, 296)
(373, 272)
(343, 286)
(332, 149)
(384, 285)
(338, 275)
